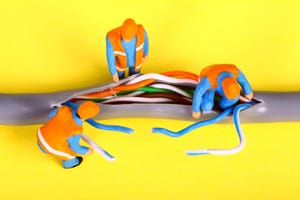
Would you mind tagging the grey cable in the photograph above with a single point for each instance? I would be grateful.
(25, 109)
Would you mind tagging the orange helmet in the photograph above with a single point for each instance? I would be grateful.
(87, 110)
(231, 88)
(128, 29)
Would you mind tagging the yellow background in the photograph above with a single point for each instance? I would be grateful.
(57, 45)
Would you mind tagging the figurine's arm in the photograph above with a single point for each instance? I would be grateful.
(73, 142)
(245, 85)
(111, 59)
(201, 88)
(146, 46)
(53, 112)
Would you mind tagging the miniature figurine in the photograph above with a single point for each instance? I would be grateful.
(224, 79)
(126, 46)
(61, 134)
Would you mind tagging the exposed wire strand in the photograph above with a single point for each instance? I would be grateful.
(184, 74)
(225, 113)
(234, 150)
(148, 89)
(192, 127)
(162, 78)
(178, 99)
(97, 148)
(134, 94)
(172, 88)
(115, 90)
(137, 99)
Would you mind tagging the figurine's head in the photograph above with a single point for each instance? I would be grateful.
(129, 29)
(87, 110)
(231, 88)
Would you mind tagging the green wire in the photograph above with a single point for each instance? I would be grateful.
(97, 100)
(148, 89)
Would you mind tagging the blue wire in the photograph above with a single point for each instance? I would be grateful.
(109, 127)
(190, 128)
(237, 124)
(101, 126)
(236, 118)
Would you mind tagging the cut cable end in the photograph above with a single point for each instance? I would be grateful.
(123, 129)
(106, 155)
(197, 152)
(129, 131)
(112, 159)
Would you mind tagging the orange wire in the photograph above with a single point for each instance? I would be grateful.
(102, 94)
(184, 74)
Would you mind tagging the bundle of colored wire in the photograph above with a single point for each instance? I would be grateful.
(138, 90)
(137, 99)
(175, 87)
(184, 74)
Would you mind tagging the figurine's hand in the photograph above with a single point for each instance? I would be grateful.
(115, 77)
(144, 59)
(90, 151)
(249, 96)
(196, 115)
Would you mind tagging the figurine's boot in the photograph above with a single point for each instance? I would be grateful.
(72, 163)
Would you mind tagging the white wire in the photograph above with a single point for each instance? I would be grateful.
(138, 99)
(162, 78)
(97, 148)
(136, 93)
(85, 98)
(133, 94)
(172, 88)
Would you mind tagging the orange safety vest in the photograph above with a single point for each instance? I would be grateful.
(212, 72)
(52, 136)
(114, 37)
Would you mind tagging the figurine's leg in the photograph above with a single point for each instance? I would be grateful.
(72, 162)
(133, 71)
(121, 75)
(208, 100)
(225, 102)
(41, 148)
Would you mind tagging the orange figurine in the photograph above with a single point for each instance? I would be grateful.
(61, 134)
(126, 46)
(226, 80)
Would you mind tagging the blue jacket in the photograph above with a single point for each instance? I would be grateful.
(204, 93)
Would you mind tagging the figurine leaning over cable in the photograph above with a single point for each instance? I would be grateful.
(126, 46)
(61, 134)
(225, 80)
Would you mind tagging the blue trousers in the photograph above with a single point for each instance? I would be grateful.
(131, 72)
